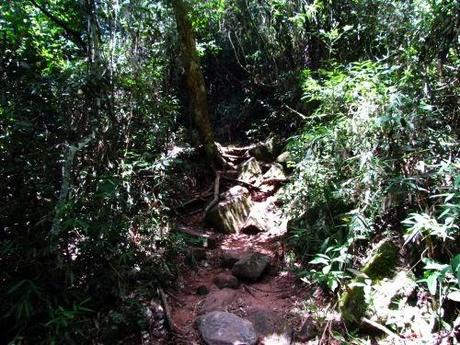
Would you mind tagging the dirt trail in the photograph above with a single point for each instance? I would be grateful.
(277, 290)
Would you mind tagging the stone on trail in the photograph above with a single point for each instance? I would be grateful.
(266, 151)
(276, 171)
(218, 300)
(251, 267)
(226, 280)
(258, 219)
(271, 328)
(222, 328)
(230, 257)
(229, 215)
(250, 171)
(284, 158)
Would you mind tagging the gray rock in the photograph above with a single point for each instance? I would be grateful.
(271, 328)
(218, 300)
(251, 267)
(249, 171)
(229, 215)
(258, 219)
(275, 172)
(222, 328)
(230, 257)
(266, 151)
(285, 158)
(226, 280)
(262, 153)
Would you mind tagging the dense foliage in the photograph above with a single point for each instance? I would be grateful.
(93, 107)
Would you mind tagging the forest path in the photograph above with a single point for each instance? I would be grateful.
(274, 301)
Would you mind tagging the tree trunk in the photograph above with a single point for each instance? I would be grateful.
(196, 87)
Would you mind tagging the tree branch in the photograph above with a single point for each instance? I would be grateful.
(71, 34)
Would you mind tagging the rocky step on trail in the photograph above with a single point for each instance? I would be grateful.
(236, 289)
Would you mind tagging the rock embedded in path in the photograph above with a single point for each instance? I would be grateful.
(251, 267)
(218, 300)
(249, 171)
(230, 214)
(230, 257)
(222, 328)
(258, 220)
(284, 158)
(226, 280)
(271, 327)
(266, 151)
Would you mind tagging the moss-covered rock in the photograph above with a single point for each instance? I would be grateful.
(353, 303)
(230, 214)
(383, 262)
(250, 171)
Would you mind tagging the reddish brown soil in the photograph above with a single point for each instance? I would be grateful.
(278, 289)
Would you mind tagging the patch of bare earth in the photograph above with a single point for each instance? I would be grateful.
(277, 290)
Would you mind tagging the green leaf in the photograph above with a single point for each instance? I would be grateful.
(432, 282)
(454, 296)
(455, 263)
(319, 261)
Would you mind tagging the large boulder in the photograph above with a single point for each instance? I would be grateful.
(251, 267)
(218, 300)
(265, 217)
(222, 328)
(353, 303)
(230, 214)
(250, 171)
(271, 328)
(276, 172)
(284, 158)
(390, 297)
(266, 151)
(230, 257)
(258, 220)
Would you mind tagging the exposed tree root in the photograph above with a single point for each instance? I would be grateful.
(215, 200)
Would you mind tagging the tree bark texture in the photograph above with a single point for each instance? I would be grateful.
(196, 87)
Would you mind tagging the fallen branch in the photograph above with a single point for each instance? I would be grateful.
(302, 116)
(248, 290)
(382, 328)
(167, 310)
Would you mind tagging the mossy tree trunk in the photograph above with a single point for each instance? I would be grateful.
(196, 87)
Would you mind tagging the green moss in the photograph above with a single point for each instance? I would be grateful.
(352, 303)
(383, 262)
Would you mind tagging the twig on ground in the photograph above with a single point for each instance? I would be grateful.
(167, 310)
(382, 328)
(248, 290)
